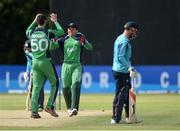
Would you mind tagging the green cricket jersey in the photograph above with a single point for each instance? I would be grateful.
(72, 49)
(41, 42)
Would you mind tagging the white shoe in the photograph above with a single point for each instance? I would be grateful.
(74, 112)
(69, 111)
(113, 121)
(127, 119)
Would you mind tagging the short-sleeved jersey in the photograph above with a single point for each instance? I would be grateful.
(122, 54)
(72, 49)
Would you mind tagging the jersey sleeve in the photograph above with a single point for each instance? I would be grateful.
(30, 29)
(58, 32)
(61, 41)
(88, 46)
(29, 62)
(28, 67)
(121, 54)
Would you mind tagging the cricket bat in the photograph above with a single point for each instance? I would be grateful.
(59, 94)
(132, 103)
(29, 94)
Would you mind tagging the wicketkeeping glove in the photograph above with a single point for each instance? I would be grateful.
(82, 40)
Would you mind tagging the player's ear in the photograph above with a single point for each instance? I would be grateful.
(77, 29)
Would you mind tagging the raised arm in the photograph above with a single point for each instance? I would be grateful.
(59, 30)
(32, 26)
(30, 29)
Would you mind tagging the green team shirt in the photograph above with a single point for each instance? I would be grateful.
(40, 39)
(72, 49)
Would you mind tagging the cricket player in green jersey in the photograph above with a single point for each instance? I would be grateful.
(28, 78)
(71, 73)
(42, 66)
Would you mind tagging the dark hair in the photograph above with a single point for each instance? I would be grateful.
(73, 25)
(41, 19)
(131, 24)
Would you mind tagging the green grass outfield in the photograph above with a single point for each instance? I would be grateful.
(159, 112)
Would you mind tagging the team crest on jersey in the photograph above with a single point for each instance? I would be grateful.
(70, 50)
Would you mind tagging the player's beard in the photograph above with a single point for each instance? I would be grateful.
(132, 36)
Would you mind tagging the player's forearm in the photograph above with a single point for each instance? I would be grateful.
(28, 67)
(59, 30)
(88, 46)
(30, 28)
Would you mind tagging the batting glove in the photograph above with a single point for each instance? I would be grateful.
(26, 76)
(132, 72)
